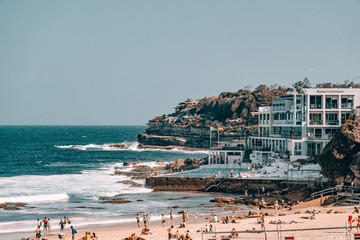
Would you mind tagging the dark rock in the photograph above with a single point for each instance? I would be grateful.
(130, 163)
(131, 183)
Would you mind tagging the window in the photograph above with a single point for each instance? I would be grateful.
(331, 119)
(315, 119)
(318, 134)
(297, 149)
(315, 102)
(330, 132)
(331, 103)
(347, 102)
(344, 117)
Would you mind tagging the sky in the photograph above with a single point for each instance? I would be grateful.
(112, 62)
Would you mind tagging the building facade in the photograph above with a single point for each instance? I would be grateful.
(299, 125)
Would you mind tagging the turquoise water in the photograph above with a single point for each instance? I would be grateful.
(65, 170)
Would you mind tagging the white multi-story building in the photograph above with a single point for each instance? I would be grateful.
(299, 125)
(228, 154)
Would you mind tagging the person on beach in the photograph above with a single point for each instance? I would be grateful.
(182, 225)
(187, 236)
(169, 230)
(73, 231)
(262, 220)
(163, 220)
(215, 219)
(146, 231)
(276, 205)
(195, 218)
(177, 234)
(233, 234)
(49, 226)
(187, 216)
(61, 236)
(45, 228)
(211, 228)
(358, 223)
(171, 216)
(138, 220)
(350, 221)
(207, 228)
(144, 219)
(37, 233)
(39, 223)
(62, 225)
(148, 219)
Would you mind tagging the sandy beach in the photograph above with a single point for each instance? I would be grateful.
(324, 217)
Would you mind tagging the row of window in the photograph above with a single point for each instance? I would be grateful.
(331, 102)
(330, 118)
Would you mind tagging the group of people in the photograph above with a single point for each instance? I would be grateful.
(177, 234)
(46, 224)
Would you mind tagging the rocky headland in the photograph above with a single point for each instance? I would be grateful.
(189, 125)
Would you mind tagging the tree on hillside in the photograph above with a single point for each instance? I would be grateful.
(302, 84)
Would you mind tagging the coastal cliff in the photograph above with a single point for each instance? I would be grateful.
(234, 113)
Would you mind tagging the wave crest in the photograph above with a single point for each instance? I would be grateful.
(126, 146)
(36, 198)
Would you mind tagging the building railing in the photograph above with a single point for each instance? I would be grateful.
(340, 233)
(331, 122)
(281, 135)
(347, 105)
(316, 122)
(315, 106)
(331, 106)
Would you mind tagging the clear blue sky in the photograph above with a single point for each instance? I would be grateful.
(124, 62)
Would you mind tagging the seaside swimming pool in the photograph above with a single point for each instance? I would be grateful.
(205, 171)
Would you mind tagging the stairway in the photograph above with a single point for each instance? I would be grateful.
(207, 188)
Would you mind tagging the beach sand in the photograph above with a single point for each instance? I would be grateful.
(292, 220)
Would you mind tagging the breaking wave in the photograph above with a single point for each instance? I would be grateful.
(126, 146)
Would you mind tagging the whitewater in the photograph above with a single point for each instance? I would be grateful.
(68, 171)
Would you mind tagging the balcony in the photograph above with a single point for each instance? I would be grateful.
(319, 137)
(346, 105)
(331, 106)
(282, 135)
(316, 122)
(315, 106)
(283, 122)
(331, 122)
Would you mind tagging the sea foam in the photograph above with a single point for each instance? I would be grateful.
(36, 198)
(133, 146)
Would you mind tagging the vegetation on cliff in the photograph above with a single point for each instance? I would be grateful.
(340, 159)
(189, 124)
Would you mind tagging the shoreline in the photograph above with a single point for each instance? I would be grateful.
(292, 219)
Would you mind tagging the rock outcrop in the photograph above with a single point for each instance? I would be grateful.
(340, 160)
(12, 206)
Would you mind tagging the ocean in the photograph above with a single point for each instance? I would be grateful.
(66, 170)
